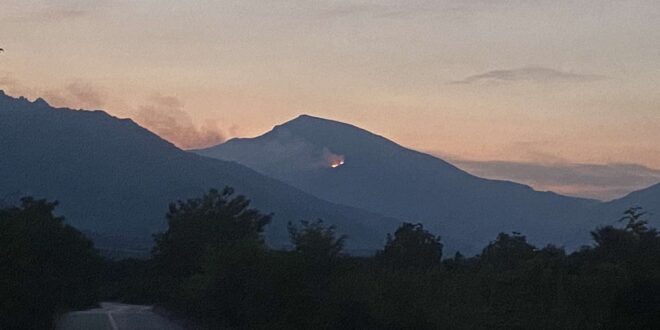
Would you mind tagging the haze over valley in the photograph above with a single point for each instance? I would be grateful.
(114, 178)
(344, 164)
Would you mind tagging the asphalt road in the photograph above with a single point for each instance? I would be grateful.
(113, 316)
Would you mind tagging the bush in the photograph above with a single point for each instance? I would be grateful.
(45, 266)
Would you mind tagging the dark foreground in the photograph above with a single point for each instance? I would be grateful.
(113, 316)
(212, 267)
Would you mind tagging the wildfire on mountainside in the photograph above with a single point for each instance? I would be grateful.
(334, 160)
(336, 164)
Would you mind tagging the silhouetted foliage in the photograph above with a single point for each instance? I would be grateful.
(507, 252)
(412, 247)
(212, 265)
(315, 240)
(510, 285)
(209, 261)
(45, 266)
(635, 222)
(215, 222)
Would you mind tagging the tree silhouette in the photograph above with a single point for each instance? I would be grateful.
(315, 240)
(208, 262)
(507, 251)
(634, 220)
(216, 221)
(412, 247)
(45, 265)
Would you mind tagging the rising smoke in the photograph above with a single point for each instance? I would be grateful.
(165, 116)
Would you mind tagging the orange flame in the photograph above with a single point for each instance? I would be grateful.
(337, 163)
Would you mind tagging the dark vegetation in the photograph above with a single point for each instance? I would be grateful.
(213, 265)
(46, 266)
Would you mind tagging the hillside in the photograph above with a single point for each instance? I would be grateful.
(115, 178)
(348, 165)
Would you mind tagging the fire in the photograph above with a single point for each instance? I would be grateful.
(332, 159)
(337, 163)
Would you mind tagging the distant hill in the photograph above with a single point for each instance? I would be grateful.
(648, 198)
(115, 179)
(384, 177)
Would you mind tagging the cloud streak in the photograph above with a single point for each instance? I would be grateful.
(603, 182)
(371, 10)
(54, 11)
(529, 74)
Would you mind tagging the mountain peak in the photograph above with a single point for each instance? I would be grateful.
(41, 102)
(9, 102)
(323, 130)
(307, 117)
(114, 177)
(307, 120)
(22, 100)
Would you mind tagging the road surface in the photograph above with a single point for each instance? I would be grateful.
(113, 316)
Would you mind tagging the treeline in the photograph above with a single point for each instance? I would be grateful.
(213, 266)
(46, 266)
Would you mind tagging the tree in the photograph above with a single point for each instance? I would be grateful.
(633, 252)
(45, 266)
(635, 223)
(210, 260)
(634, 241)
(412, 247)
(507, 251)
(216, 221)
(315, 240)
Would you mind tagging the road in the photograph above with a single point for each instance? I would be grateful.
(113, 316)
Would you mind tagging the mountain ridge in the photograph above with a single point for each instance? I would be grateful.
(380, 175)
(305, 118)
(114, 177)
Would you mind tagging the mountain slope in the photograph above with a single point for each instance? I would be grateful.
(382, 176)
(648, 198)
(114, 178)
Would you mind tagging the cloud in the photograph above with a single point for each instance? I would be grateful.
(164, 115)
(410, 9)
(531, 73)
(369, 9)
(62, 14)
(48, 10)
(372, 10)
(603, 182)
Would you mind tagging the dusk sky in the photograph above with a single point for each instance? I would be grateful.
(537, 82)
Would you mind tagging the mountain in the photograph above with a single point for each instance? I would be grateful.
(115, 179)
(648, 198)
(344, 164)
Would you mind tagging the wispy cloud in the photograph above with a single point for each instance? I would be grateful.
(412, 8)
(61, 10)
(372, 9)
(530, 73)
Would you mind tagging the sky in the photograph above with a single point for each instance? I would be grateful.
(528, 83)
